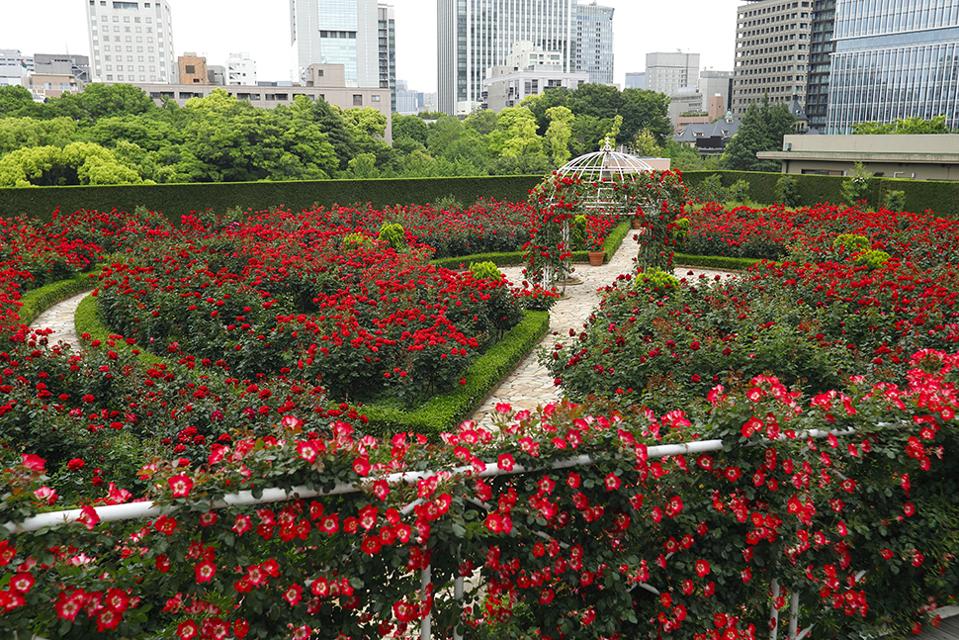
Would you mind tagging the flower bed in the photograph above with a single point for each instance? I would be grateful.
(859, 523)
(771, 232)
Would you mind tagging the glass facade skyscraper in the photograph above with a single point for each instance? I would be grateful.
(894, 59)
(337, 32)
(593, 42)
(821, 46)
(476, 35)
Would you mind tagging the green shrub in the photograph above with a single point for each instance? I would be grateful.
(394, 235)
(485, 271)
(873, 259)
(714, 262)
(355, 241)
(894, 200)
(738, 191)
(710, 189)
(787, 191)
(577, 233)
(680, 230)
(656, 280)
(851, 243)
(857, 187)
(447, 203)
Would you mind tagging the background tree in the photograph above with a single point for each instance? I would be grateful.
(762, 129)
(15, 101)
(937, 125)
(559, 133)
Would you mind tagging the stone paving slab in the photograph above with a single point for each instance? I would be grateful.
(531, 385)
(60, 320)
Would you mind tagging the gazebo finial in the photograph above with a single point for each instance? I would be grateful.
(607, 145)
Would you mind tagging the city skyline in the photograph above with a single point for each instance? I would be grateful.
(262, 27)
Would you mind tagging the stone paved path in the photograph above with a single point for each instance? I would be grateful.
(60, 320)
(531, 384)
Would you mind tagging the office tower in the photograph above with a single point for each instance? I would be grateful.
(636, 80)
(473, 36)
(894, 60)
(772, 51)
(131, 41)
(593, 42)
(671, 72)
(386, 21)
(821, 47)
(192, 69)
(337, 32)
(240, 69)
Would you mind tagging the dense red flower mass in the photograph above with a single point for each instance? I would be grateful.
(832, 384)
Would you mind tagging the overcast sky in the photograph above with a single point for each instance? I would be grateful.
(217, 27)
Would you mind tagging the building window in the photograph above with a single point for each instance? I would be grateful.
(357, 100)
(375, 98)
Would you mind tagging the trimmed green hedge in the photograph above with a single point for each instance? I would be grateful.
(87, 321)
(445, 412)
(38, 300)
(175, 200)
(713, 262)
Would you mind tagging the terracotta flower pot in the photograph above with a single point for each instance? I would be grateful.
(597, 258)
(636, 223)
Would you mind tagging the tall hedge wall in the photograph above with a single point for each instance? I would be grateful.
(177, 199)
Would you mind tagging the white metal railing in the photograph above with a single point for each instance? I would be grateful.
(146, 509)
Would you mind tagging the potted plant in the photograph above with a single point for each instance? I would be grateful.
(594, 244)
(636, 220)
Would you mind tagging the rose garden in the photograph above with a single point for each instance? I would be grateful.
(269, 424)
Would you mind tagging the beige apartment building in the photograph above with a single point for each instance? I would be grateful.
(192, 69)
(324, 82)
(918, 157)
(772, 52)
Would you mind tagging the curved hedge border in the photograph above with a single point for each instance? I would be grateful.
(441, 413)
(36, 301)
(514, 258)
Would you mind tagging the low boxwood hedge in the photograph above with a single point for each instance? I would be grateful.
(713, 262)
(441, 413)
(36, 301)
(445, 412)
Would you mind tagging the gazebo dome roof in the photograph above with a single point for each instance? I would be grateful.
(604, 165)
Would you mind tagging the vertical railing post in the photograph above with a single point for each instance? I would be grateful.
(774, 614)
(426, 627)
(458, 588)
(794, 615)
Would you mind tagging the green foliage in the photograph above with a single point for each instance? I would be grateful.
(559, 134)
(355, 241)
(15, 100)
(394, 235)
(444, 412)
(873, 259)
(738, 191)
(937, 125)
(857, 188)
(36, 301)
(894, 200)
(762, 129)
(787, 191)
(16, 133)
(851, 243)
(656, 280)
(724, 263)
(448, 203)
(485, 271)
(76, 163)
(577, 231)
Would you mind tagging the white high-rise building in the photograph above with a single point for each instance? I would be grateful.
(240, 69)
(337, 32)
(671, 72)
(474, 36)
(131, 41)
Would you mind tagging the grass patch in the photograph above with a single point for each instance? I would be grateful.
(515, 258)
(445, 412)
(87, 321)
(36, 301)
(714, 262)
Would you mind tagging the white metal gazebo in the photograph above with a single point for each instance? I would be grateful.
(605, 168)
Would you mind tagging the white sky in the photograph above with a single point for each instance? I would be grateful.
(216, 27)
